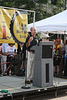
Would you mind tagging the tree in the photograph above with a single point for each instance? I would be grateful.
(61, 3)
(54, 2)
(38, 5)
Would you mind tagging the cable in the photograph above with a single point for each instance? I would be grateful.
(6, 91)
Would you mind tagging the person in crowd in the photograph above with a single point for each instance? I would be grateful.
(65, 57)
(3, 57)
(11, 51)
(54, 44)
(57, 56)
(62, 60)
(0, 56)
(47, 39)
(0, 48)
(21, 47)
(61, 42)
(30, 41)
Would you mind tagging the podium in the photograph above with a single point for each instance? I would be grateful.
(43, 64)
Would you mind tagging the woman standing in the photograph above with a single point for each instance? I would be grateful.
(11, 52)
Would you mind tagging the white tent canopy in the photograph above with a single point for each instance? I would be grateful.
(57, 22)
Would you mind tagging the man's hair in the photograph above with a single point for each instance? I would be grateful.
(32, 28)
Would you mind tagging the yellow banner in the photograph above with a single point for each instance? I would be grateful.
(13, 26)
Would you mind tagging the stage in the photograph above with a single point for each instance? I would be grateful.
(14, 83)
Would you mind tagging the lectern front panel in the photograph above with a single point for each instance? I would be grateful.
(47, 51)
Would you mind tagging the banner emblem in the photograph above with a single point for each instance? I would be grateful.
(18, 26)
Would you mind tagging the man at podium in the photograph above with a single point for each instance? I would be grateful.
(30, 42)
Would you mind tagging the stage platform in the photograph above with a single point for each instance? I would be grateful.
(14, 83)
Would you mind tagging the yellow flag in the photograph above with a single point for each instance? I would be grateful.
(13, 26)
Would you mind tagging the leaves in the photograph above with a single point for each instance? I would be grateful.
(40, 6)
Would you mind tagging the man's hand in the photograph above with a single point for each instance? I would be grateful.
(30, 39)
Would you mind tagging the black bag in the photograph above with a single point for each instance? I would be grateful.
(21, 72)
(16, 63)
(16, 59)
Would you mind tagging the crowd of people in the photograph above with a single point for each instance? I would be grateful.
(60, 57)
(7, 51)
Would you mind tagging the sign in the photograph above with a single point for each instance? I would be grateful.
(13, 26)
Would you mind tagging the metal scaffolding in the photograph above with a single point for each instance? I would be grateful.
(22, 10)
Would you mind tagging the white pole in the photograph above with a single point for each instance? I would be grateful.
(16, 9)
(34, 20)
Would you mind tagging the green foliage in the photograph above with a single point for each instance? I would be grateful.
(60, 3)
(38, 5)
(30, 5)
(56, 10)
(43, 1)
(41, 14)
(54, 2)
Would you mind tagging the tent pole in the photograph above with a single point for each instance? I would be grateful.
(34, 19)
(16, 9)
(64, 35)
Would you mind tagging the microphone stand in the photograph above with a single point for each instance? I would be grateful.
(25, 86)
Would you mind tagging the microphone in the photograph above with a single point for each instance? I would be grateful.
(15, 51)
